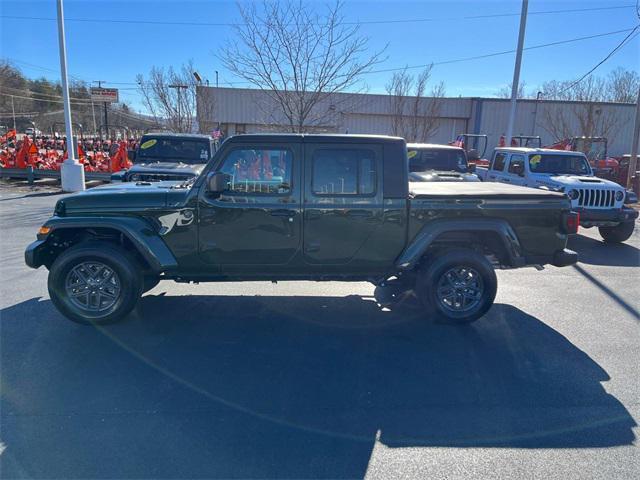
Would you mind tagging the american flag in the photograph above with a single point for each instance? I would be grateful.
(217, 134)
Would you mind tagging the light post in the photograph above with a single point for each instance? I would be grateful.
(516, 71)
(13, 110)
(71, 172)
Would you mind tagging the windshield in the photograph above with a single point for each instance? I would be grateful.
(447, 159)
(560, 164)
(189, 151)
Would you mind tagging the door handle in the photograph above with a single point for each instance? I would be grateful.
(283, 212)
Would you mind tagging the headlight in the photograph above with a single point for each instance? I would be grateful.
(573, 194)
(619, 195)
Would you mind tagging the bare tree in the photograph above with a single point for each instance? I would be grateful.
(413, 115)
(298, 58)
(170, 96)
(585, 116)
(623, 85)
(505, 92)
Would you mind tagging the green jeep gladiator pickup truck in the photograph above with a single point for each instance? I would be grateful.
(299, 207)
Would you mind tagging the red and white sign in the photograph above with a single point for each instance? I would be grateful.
(108, 95)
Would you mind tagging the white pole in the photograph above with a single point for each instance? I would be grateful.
(72, 172)
(633, 161)
(516, 71)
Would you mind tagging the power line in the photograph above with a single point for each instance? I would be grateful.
(505, 52)
(366, 22)
(626, 40)
(443, 62)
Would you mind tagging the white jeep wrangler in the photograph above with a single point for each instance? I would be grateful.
(600, 202)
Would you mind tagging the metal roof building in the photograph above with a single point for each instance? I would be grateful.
(250, 111)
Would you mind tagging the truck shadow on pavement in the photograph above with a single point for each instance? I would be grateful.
(249, 386)
(595, 252)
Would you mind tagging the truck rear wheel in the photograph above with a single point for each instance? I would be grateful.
(95, 283)
(457, 286)
(617, 234)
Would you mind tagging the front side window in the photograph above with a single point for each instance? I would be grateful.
(498, 162)
(559, 164)
(259, 170)
(344, 171)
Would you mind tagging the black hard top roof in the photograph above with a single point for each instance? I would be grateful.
(311, 138)
(194, 136)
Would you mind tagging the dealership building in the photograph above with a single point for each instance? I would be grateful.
(238, 111)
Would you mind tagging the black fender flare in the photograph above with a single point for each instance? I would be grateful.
(432, 230)
(139, 232)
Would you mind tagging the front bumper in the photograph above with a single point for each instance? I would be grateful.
(33, 254)
(608, 217)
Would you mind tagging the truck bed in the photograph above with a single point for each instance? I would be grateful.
(480, 190)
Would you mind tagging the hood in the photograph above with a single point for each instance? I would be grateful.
(167, 167)
(442, 176)
(123, 197)
(577, 181)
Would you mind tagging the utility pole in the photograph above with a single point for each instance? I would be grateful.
(179, 88)
(516, 71)
(93, 112)
(13, 110)
(633, 161)
(106, 118)
(216, 78)
(72, 171)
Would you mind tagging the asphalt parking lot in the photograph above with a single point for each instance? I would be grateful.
(308, 380)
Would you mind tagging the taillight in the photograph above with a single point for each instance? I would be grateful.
(571, 222)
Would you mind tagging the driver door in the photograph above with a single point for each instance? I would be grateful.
(257, 220)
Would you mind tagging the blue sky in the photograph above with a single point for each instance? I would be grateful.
(117, 52)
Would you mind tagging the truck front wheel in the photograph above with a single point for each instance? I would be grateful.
(95, 283)
(457, 286)
(617, 234)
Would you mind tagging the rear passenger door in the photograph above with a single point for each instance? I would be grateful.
(343, 204)
(495, 173)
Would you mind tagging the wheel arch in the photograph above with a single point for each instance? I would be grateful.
(134, 234)
(495, 235)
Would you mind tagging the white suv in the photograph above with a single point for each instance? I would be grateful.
(600, 202)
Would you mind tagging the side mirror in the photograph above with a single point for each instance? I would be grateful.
(218, 182)
(132, 155)
(471, 168)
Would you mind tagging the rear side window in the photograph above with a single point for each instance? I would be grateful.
(498, 162)
(344, 171)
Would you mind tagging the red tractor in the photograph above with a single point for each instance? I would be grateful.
(472, 144)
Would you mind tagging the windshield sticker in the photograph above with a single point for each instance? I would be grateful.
(412, 153)
(148, 144)
(204, 154)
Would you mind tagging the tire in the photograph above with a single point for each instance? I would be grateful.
(459, 271)
(617, 234)
(112, 274)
